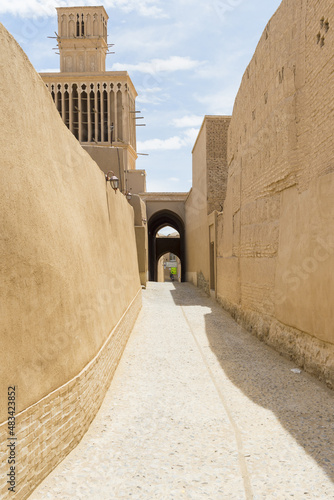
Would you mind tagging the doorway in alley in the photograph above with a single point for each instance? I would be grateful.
(160, 245)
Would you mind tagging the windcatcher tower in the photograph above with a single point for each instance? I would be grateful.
(98, 106)
(82, 39)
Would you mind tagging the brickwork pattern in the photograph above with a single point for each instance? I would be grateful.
(203, 283)
(280, 141)
(51, 428)
(279, 134)
(262, 147)
(216, 161)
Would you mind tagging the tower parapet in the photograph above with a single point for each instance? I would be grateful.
(82, 39)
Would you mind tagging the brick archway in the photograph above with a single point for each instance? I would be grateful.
(158, 247)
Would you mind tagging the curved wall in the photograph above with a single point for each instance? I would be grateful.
(69, 269)
(276, 261)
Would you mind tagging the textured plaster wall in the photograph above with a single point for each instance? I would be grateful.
(136, 181)
(109, 158)
(119, 161)
(140, 220)
(197, 232)
(276, 249)
(49, 429)
(68, 253)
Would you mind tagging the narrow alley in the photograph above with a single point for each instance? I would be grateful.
(200, 408)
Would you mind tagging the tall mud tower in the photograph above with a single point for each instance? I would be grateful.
(98, 106)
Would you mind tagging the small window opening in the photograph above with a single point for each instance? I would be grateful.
(78, 25)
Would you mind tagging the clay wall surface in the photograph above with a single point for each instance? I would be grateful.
(216, 161)
(197, 231)
(70, 287)
(209, 184)
(140, 221)
(156, 202)
(276, 250)
(135, 181)
(109, 159)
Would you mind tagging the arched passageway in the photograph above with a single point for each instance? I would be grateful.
(159, 246)
(169, 268)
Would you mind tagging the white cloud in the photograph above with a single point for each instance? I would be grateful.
(49, 70)
(147, 95)
(143, 43)
(191, 136)
(28, 8)
(149, 99)
(40, 8)
(173, 63)
(174, 179)
(147, 8)
(220, 102)
(188, 121)
(172, 143)
(34, 8)
(153, 89)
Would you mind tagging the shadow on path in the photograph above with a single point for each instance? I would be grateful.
(303, 405)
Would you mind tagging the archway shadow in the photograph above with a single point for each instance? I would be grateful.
(302, 404)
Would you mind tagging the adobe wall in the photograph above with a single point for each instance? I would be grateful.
(70, 288)
(118, 160)
(209, 183)
(197, 232)
(216, 161)
(160, 270)
(109, 159)
(136, 181)
(140, 221)
(276, 249)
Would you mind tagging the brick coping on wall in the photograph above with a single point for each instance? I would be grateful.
(49, 429)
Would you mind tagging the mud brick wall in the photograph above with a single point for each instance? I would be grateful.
(216, 161)
(275, 260)
(68, 277)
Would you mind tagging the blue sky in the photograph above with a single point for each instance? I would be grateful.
(186, 59)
